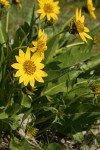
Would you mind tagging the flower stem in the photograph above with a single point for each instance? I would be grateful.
(7, 21)
(68, 46)
(75, 44)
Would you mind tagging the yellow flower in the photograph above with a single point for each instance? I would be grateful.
(5, 3)
(96, 89)
(81, 29)
(18, 3)
(91, 8)
(40, 44)
(29, 68)
(31, 131)
(48, 8)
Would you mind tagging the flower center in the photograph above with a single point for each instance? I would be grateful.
(48, 8)
(29, 67)
(80, 26)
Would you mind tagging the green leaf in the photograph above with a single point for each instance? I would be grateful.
(26, 101)
(55, 74)
(75, 55)
(93, 62)
(3, 115)
(30, 17)
(3, 34)
(13, 145)
(56, 87)
(23, 145)
(52, 46)
(14, 123)
(21, 36)
(78, 137)
(96, 30)
(54, 146)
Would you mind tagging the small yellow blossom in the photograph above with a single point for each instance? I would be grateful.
(40, 44)
(81, 29)
(96, 89)
(48, 8)
(91, 8)
(18, 3)
(29, 68)
(31, 131)
(5, 3)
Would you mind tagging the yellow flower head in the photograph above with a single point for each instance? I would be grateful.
(96, 89)
(18, 3)
(81, 29)
(91, 8)
(48, 8)
(40, 44)
(29, 68)
(31, 131)
(5, 3)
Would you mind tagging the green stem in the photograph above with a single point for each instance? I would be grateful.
(65, 28)
(36, 99)
(75, 44)
(23, 40)
(45, 119)
(19, 48)
(75, 99)
(7, 21)
(67, 24)
(68, 46)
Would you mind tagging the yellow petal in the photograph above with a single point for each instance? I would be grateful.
(33, 49)
(38, 78)
(86, 29)
(38, 11)
(21, 53)
(26, 82)
(93, 15)
(80, 13)
(41, 73)
(88, 36)
(16, 66)
(35, 56)
(32, 81)
(38, 60)
(27, 55)
(40, 66)
(19, 73)
(19, 59)
(83, 37)
(48, 17)
(41, 33)
(21, 79)
(76, 14)
(26, 79)
(34, 43)
(82, 19)
(42, 15)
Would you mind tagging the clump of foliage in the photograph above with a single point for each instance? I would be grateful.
(49, 77)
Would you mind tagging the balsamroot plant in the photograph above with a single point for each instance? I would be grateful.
(49, 73)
